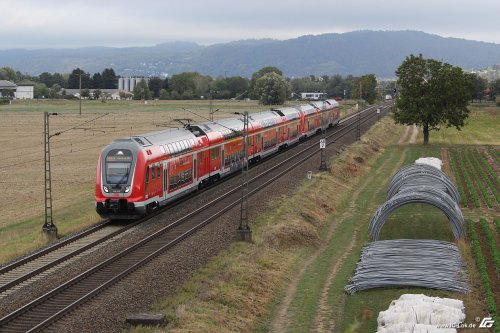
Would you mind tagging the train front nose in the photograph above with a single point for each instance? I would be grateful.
(116, 185)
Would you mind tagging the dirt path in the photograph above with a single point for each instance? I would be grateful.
(414, 134)
(404, 138)
(321, 320)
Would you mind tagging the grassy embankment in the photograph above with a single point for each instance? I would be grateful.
(314, 245)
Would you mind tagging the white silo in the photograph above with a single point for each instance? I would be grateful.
(126, 84)
(133, 82)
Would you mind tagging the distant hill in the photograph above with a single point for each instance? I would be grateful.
(356, 53)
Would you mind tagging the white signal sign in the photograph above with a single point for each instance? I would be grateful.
(322, 143)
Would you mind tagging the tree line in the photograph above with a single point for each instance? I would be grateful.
(267, 85)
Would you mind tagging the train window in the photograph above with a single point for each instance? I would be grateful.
(152, 172)
(147, 176)
(158, 174)
(215, 153)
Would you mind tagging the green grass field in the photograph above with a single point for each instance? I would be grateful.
(318, 301)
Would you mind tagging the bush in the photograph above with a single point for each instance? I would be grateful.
(4, 101)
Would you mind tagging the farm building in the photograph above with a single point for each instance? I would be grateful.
(22, 91)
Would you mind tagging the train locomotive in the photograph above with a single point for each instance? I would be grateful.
(139, 174)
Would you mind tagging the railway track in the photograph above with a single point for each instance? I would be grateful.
(42, 312)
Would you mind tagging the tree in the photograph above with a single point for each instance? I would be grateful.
(479, 86)
(97, 81)
(432, 94)
(230, 87)
(367, 83)
(183, 84)
(272, 89)
(141, 91)
(7, 73)
(494, 89)
(155, 84)
(260, 73)
(164, 94)
(74, 79)
(40, 90)
(51, 79)
(109, 79)
(85, 93)
(97, 93)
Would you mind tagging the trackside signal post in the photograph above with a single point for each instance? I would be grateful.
(244, 232)
(322, 147)
(49, 227)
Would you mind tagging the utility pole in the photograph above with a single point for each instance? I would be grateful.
(244, 232)
(49, 227)
(358, 127)
(210, 108)
(80, 99)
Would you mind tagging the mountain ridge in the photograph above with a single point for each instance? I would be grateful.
(357, 53)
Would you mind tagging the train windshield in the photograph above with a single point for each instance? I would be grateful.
(118, 165)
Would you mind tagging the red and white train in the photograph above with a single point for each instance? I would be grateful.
(139, 174)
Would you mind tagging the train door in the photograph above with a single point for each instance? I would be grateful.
(195, 178)
(165, 179)
(201, 164)
(215, 156)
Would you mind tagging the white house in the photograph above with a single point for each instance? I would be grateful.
(24, 91)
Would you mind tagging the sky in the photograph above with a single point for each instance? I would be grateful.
(34, 24)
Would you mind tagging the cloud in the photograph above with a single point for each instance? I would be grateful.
(57, 23)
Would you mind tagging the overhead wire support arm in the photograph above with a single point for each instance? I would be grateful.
(49, 227)
(244, 232)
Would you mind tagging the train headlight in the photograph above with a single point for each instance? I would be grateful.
(127, 189)
(105, 188)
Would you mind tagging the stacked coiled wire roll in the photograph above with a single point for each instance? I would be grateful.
(410, 262)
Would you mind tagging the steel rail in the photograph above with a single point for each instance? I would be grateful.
(9, 317)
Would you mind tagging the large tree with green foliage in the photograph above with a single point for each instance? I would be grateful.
(7, 73)
(432, 94)
(109, 79)
(254, 94)
(74, 79)
(272, 89)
